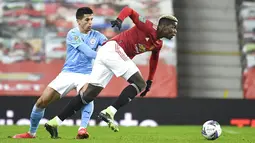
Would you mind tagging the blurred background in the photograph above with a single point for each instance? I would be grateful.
(205, 72)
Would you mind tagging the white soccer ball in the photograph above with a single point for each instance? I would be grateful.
(211, 130)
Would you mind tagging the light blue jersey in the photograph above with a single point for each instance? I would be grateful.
(76, 60)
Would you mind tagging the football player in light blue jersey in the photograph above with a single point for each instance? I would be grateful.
(82, 43)
(77, 59)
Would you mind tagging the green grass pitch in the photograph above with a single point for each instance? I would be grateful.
(162, 134)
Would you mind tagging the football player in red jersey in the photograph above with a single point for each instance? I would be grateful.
(114, 57)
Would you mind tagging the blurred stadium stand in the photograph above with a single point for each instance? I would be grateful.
(246, 23)
(208, 49)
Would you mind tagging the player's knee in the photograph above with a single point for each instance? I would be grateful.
(86, 97)
(141, 85)
(138, 82)
(90, 93)
(49, 95)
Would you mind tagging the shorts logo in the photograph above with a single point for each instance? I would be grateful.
(92, 41)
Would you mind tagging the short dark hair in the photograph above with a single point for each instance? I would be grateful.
(83, 10)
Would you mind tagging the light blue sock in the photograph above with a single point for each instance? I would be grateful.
(35, 117)
(86, 113)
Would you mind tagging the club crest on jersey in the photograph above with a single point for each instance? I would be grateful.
(92, 41)
(140, 48)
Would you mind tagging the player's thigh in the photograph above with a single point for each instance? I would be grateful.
(49, 95)
(136, 79)
(100, 75)
(132, 71)
(81, 82)
(115, 58)
(84, 87)
(64, 83)
(127, 69)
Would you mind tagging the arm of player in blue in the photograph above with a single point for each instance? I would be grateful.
(85, 49)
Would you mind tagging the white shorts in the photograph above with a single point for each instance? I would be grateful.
(67, 81)
(111, 59)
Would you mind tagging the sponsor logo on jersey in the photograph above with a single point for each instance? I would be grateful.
(77, 39)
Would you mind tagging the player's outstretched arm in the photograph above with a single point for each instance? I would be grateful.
(127, 11)
(153, 66)
(138, 20)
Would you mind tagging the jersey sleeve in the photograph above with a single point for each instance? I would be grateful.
(74, 39)
(153, 64)
(154, 60)
(102, 39)
(139, 21)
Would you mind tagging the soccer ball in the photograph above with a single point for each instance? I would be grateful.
(211, 130)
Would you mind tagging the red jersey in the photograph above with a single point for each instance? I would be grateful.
(140, 38)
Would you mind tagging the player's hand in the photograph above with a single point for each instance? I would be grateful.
(116, 23)
(147, 89)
